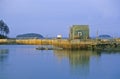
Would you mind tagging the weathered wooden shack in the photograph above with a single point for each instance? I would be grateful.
(79, 32)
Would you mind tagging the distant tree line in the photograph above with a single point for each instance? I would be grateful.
(4, 29)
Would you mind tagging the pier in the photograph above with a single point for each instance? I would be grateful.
(74, 44)
(66, 43)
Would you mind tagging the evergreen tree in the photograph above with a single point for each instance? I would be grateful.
(4, 29)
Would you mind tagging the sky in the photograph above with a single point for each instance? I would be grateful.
(52, 17)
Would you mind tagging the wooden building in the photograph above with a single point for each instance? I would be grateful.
(79, 32)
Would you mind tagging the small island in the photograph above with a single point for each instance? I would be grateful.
(29, 36)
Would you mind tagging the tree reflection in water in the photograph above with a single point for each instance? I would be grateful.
(3, 55)
(79, 60)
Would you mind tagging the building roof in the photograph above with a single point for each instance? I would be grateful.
(81, 27)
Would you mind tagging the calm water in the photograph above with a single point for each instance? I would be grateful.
(25, 62)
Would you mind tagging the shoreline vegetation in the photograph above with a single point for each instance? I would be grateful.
(89, 44)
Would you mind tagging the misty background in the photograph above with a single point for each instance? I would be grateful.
(53, 17)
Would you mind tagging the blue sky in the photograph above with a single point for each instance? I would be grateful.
(52, 17)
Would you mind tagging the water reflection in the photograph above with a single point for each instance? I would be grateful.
(3, 58)
(108, 52)
(3, 54)
(79, 60)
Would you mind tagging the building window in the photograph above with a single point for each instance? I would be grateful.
(79, 34)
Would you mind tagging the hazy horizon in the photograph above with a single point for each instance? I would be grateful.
(51, 17)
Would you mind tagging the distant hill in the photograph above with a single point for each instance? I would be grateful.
(29, 36)
(104, 37)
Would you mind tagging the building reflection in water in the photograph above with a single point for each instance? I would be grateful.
(79, 60)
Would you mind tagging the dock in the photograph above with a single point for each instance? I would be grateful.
(66, 43)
